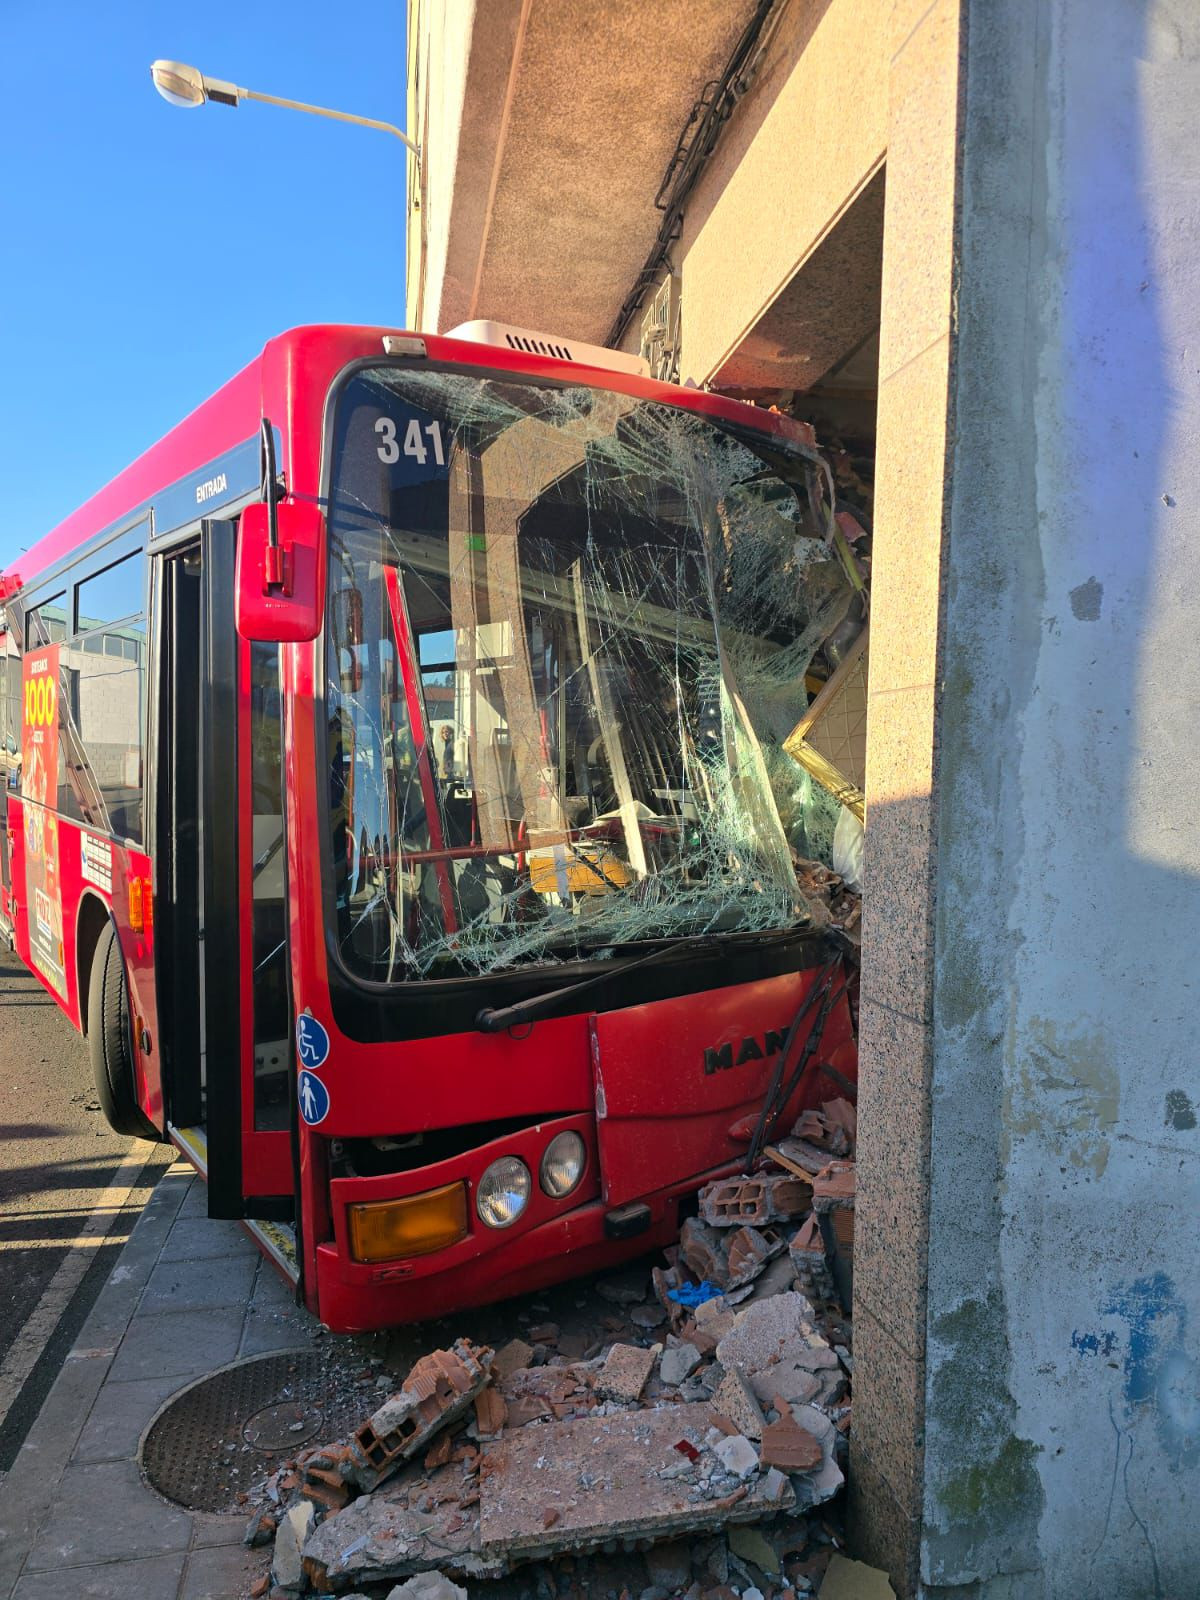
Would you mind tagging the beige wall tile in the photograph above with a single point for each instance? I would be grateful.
(919, 220)
(891, 1223)
(910, 493)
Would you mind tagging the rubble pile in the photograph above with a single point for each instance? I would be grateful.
(694, 1443)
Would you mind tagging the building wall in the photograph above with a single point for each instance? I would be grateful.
(1027, 1405)
(1062, 1426)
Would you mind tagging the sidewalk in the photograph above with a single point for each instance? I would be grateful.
(77, 1522)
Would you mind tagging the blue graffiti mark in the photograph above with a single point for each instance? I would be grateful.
(1159, 1372)
(1093, 1344)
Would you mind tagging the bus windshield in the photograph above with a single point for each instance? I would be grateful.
(567, 635)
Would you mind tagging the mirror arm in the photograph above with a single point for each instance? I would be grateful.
(275, 563)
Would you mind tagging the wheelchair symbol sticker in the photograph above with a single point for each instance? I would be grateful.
(312, 1042)
(313, 1097)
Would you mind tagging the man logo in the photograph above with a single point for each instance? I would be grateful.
(750, 1049)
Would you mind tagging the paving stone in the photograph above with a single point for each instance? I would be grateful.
(209, 1529)
(105, 1513)
(199, 1285)
(200, 1238)
(221, 1573)
(116, 1421)
(178, 1343)
(154, 1579)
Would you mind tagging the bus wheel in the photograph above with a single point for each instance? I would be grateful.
(110, 1041)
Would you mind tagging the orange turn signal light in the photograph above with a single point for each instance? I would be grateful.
(388, 1230)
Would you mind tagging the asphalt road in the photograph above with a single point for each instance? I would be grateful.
(70, 1192)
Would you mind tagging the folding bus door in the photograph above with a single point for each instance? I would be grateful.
(221, 943)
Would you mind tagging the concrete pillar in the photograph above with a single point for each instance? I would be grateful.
(1027, 1421)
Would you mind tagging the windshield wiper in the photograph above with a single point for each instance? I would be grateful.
(495, 1019)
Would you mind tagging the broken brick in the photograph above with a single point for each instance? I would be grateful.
(749, 1251)
(544, 1333)
(512, 1356)
(786, 1444)
(439, 1455)
(704, 1250)
(436, 1392)
(768, 1197)
(527, 1408)
(807, 1252)
(491, 1413)
(833, 1187)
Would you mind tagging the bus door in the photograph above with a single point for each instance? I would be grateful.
(221, 942)
(10, 744)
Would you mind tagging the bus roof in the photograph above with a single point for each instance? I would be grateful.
(231, 415)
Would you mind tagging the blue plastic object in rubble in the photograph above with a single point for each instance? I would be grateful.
(694, 1294)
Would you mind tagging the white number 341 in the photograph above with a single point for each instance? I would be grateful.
(388, 448)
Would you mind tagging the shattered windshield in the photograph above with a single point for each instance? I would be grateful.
(567, 635)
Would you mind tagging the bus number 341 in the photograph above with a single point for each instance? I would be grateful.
(388, 448)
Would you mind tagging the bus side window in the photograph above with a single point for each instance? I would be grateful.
(103, 689)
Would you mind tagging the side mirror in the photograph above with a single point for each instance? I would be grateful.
(281, 579)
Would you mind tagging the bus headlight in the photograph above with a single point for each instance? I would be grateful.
(563, 1164)
(503, 1192)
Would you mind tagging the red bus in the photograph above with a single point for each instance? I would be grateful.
(396, 798)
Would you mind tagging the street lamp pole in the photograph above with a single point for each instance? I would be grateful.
(182, 85)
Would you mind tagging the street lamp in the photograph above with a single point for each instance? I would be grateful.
(182, 85)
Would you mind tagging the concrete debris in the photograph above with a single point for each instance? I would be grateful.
(736, 1400)
(619, 1478)
(511, 1358)
(428, 1586)
(648, 1316)
(737, 1455)
(670, 1566)
(437, 1391)
(260, 1529)
(676, 1364)
(767, 1197)
(763, 1333)
(623, 1375)
(800, 1157)
(290, 1536)
(854, 1580)
(748, 1544)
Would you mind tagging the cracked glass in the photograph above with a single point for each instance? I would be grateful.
(567, 635)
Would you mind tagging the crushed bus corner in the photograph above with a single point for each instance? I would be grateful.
(703, 1430)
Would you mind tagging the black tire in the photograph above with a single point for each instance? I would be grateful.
(110, 1041)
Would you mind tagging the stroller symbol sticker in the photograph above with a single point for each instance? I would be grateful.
(312, 1042)
(313, 1097)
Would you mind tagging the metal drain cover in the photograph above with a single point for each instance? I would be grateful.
(225, 1434)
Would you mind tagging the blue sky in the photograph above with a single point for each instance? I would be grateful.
(146, 253)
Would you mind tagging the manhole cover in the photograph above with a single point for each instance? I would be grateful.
(226, 1433)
